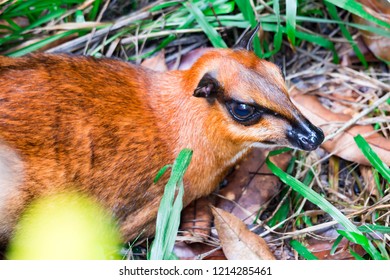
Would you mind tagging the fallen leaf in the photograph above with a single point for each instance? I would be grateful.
(379, 45)
(349, 56)
(237, 241)
(251, 185)
(378, 8)
(239, 179)
(342, 145)
(196, 219)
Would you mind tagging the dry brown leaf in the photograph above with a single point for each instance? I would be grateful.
(196, 218)
(238, 242)
(239, 179)
(156, 63)
(379, 45)
(343, 145)
(349, 57)
(251, 185)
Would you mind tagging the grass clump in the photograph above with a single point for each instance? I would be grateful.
(376, 248)
(168, 217)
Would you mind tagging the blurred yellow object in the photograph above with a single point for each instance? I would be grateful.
(65, 226)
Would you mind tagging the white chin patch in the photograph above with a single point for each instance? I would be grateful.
(266, 146)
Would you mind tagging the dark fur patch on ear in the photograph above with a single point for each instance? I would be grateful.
(208, 87)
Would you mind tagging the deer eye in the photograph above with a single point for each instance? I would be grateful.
(243, 113)
(242, 110)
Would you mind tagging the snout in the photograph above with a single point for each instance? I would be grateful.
(305, 136)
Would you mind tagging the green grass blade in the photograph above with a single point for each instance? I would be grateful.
(282, 213)
(247, 11)
(173, 223)
(315, 39)
(161, 172)
(336, 244)
(382, 247)
(333, 13)
(323, 42)
(374, 228)
(9, 28)
(46, 18)
(354, 237)
(302, 250)
(14, 25)
(279, 33)
(378, 182)
(362, 241)
(355, 255)
(291, 14)
(351, 232)
(278, 38)
(107, 42)
(215, 39)
(357, 9)
(17, 34)
(94, 11)
(162, 45)
(373, 158)
(34, 7)
(220, 9)
(40, 44)
(308, 193)
(374, 29)
(168, 216)
(188, 20)
(164, 5)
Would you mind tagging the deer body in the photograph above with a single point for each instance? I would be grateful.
(106, 128)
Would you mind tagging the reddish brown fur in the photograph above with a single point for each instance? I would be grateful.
(106, 127)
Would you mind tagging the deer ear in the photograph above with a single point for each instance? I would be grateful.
(208, 87)
(245, 42)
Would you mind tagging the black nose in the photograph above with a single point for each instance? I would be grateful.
(305, 136)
